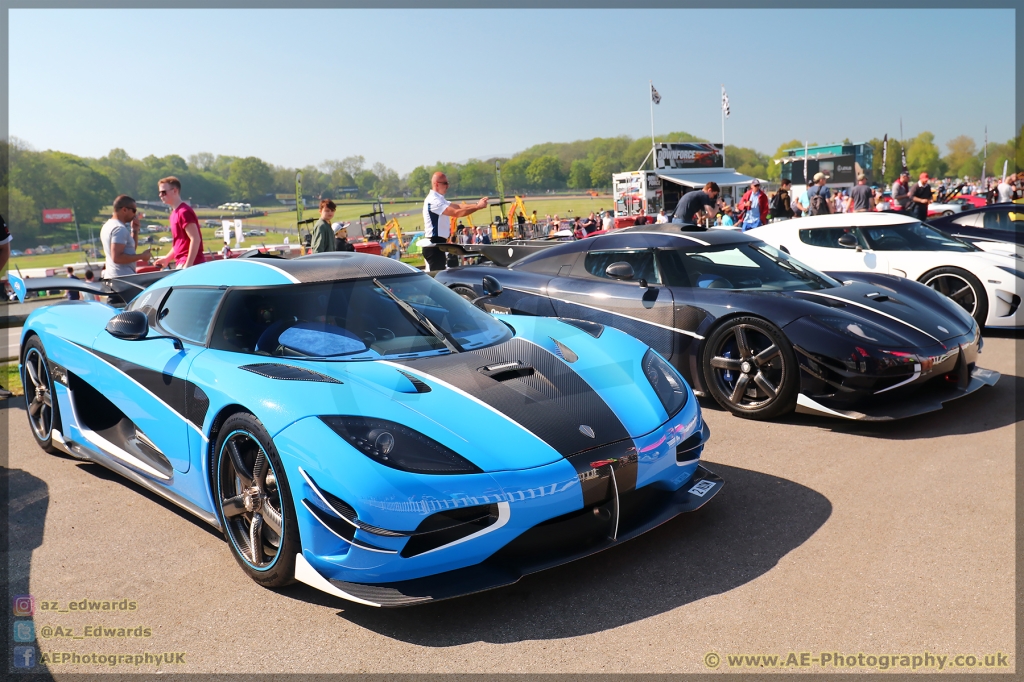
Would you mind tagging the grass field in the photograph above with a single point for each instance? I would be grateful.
(283, 223)
(9, 378)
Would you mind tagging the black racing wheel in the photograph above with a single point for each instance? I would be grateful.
(255, 502)
(750, 368)
(962, 287)
(465, 292)
(41, 404)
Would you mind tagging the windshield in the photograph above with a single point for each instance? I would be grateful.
(751, 267)
(912, 237)
(353, 320)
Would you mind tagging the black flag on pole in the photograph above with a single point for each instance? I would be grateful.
(655, 97)
(903, 158)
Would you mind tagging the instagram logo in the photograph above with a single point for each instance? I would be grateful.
(24, 605)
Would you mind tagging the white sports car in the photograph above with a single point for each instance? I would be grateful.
(987, 285)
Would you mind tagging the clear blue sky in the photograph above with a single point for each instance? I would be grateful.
(406, 87)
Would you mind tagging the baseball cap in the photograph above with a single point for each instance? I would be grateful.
(818, 176)
(755, 181)
(907, 173)
(923, 176)
(338, 226)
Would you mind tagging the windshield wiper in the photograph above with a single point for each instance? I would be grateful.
(805, 275)
(419, 317)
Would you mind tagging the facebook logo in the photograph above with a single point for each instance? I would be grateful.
(24, 657)
(24, 631)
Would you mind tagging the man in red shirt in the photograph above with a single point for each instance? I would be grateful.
(187, 244)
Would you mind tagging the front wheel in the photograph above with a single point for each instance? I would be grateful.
(750, 368)
(962, 287)
(40, 402)
(255, 502)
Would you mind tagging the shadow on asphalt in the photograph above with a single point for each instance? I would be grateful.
(28, 499)
(740, 535)
(987, 409)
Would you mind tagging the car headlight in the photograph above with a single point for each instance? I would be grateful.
(861, 331)
(665, 381)
(399, 447)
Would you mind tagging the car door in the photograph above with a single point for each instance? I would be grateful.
(147, 379)
(588, 292)
(819, 247)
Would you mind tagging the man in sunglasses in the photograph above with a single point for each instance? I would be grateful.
(187, 240)
(120, 241)
(437, 214)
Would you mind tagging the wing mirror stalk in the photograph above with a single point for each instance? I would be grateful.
(492, 287)
(133, 325)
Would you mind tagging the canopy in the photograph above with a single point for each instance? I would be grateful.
(725, 177)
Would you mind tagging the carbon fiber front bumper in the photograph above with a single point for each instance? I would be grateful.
(555, 542)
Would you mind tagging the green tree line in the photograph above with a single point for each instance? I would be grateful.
(32, 180)
(964, 157)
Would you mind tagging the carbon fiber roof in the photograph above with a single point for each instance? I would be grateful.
(330, 267)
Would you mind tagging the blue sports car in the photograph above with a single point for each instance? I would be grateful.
(352, 424)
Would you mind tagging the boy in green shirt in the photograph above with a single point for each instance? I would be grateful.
(323, 235)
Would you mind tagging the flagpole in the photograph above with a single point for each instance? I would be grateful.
(723, 125)
(650, 96)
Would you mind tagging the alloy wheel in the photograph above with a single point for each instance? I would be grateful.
(38, 397)
(957, 288)
(748, 367)
(250, 499)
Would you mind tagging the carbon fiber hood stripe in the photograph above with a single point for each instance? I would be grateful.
(553, 402)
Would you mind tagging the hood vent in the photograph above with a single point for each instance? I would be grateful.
(505, 371)
(564, 351)
(416, 383)
(273, 370)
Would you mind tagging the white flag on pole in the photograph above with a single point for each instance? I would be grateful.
(655, 97)
(725, 102)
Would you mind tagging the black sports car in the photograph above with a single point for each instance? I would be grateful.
(757, 330)
(998, 222)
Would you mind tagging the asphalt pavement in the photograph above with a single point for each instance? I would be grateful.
(829, 537)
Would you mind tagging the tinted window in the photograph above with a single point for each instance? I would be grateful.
(148, 301)
(828, 237)
(972, 220)
(352, 320)
(744, 266)
(643, 264)
(187, 312)
(1007, 221)
(912, 237)
(545, 263)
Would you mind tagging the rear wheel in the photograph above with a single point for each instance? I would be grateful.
(750, 368)
(39, 395)
(254, 501)
(465, 292)
(962, 287)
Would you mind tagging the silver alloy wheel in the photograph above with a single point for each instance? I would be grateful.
(38, 398)
(250, 499)
(748, 367)
(957, 288)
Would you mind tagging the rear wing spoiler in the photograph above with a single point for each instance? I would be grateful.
(120, 290)
(501, 254)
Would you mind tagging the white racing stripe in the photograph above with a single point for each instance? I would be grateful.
(305, 573)
(867, 307)
(611, 312)
(257, 261)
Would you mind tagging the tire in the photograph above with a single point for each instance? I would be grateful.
(465, 292)
(946, 213)
(242, 496)
(962, 287)
(750, 368)
(40, 405)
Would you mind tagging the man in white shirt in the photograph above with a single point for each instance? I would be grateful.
(662, 218)
(437, 214)
(120, 240)
(1004, 191)
(608, 222)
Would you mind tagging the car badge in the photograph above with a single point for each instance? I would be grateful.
(943, 329)
(510, 253)
(587, 431)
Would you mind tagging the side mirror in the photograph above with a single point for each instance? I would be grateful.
(492, 287)
(848, 241)
(620, 270)
(133, 325)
